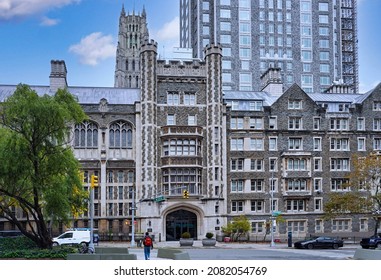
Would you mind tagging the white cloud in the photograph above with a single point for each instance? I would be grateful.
(45, 21)
(167, 37)
(169, 31)
(94, 48)
(10, 9)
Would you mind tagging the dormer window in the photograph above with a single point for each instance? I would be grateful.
(343, 107)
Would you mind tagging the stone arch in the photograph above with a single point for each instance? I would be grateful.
(180, 218)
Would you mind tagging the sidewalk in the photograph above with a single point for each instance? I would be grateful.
(198, 245)
(220, 245)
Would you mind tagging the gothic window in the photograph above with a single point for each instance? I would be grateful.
(86, 135)
(120, 135)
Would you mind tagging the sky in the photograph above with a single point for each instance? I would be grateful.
(84, 33)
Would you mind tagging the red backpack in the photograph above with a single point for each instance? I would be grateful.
(147, 241)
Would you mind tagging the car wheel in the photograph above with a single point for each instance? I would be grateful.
(378, 246)
(310, 246)
(55, 244)
(335, 246)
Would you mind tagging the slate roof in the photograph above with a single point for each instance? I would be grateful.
(334, 97)
(267, 98)
(85, 95)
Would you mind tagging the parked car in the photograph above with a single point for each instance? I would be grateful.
(371, 242)
(75, 237)
(319, 242)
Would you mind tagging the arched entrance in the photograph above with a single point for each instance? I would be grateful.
(178, 222)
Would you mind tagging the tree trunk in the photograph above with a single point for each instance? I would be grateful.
(376, 224)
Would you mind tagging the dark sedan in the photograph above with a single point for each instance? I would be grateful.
(319, 243)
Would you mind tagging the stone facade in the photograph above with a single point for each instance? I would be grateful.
(180, 133)
(233, 152)
(304, 143)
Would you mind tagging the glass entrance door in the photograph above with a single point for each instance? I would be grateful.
(179, 222)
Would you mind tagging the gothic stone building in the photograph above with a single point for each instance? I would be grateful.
(235, 153)
(149, 145)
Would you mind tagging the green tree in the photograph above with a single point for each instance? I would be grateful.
(39, 173)
(238, 227)
(363, 191)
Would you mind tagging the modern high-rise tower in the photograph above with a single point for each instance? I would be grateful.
(314, 42)
(133, 32)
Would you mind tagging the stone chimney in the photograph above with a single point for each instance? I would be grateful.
(272, 82)
(58, 75)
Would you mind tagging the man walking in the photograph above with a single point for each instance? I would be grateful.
(148, 245)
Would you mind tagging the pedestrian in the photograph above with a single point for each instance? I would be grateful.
(148, 245)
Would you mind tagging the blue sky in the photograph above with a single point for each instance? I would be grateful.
(84, 34)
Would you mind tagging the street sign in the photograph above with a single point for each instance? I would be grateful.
(160, 198)
(277, 213)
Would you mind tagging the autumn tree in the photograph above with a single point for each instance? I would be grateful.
(38, 171)
(236, 228)
(362, 192)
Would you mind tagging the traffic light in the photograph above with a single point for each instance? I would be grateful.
(94, 181)
(185, 194)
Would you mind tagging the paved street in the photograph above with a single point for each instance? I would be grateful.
(246, 251)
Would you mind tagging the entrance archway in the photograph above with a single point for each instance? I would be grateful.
(178, 222)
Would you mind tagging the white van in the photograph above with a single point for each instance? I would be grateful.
(72, 237)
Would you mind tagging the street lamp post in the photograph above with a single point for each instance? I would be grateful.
(272, 244)
(133, 219)
(91, 244)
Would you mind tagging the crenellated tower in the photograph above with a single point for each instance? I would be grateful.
(148, 155)
(133, 32)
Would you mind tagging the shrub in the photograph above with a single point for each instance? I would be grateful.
(24, 248)
(185, 235)
(16, 243)
(209, 235)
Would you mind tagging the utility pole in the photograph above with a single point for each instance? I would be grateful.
(272, 185)
(93, 184)
(133, 218)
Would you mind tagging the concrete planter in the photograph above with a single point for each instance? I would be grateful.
(209, 242)
(186, 242)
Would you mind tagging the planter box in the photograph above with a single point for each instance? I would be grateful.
(209, 242)
(186, 242)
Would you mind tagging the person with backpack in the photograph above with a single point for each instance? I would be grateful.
(148, 245)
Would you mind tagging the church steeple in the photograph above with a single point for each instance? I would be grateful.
(133, 32)
(123, 12)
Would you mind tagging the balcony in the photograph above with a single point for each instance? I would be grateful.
(182, 130)
(181, 161)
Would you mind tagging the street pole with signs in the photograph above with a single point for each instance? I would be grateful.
(272, 217)
(93, 184)
(133, 219)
